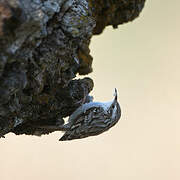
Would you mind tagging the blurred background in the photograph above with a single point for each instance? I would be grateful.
(142, 60)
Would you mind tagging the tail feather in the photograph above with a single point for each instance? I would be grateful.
(67, 136)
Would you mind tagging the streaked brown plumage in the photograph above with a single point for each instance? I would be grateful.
(92, 119)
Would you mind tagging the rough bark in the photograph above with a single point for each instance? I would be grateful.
(43, 45)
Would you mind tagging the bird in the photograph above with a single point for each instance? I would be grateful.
(91, 119)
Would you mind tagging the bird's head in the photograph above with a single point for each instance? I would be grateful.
(114, 109)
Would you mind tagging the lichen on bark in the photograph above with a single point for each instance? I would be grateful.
(43, 46)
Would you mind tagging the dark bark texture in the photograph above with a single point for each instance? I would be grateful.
(44, 44)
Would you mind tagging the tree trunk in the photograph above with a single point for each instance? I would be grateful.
(43, 45)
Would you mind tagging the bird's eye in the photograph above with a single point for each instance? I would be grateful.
(113, 106)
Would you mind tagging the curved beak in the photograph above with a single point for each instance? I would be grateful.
(115, 95)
